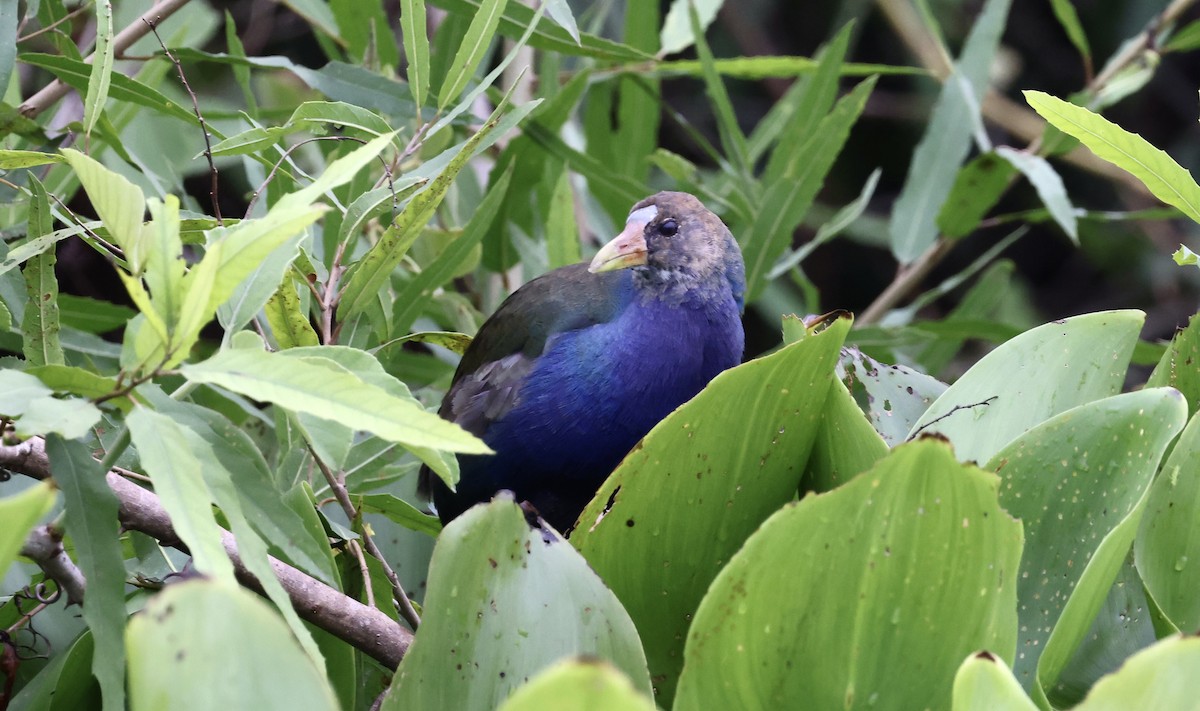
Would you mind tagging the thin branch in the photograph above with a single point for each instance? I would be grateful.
(907, 279)
(338, 485)
(364, 571)
(212, 167)
(65, 18)
(123, 40)
(366, 628)
(44, 547)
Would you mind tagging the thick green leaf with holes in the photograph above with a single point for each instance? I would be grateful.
(682, 503)
(845, 599)
(504, 602)
(1077, 483)
(1031, 378)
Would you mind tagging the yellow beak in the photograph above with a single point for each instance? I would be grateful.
(626, 250)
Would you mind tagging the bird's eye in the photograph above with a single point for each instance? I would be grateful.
(668, 228)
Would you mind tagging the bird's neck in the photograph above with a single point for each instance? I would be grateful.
(679, 286)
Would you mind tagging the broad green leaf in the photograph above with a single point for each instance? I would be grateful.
(13, 159)
(846, 598)
(40, 325)
(1049, 186)
(897, 395)
(845, 446)
(985, 683)
(77, 381)
(313, 387)
(1168, 545)
(1177, 367)
(219, 647)
(102, 67)
(518, 17)
(1161, 677)
(977, 188)
(1162, 176)
(1031, 378)
(505, 601)
(38, 412)
(578, 685)
(399, 511)
(1080, 507)
(179, 482)
(788, 199)
(118, 202)
(92, 524)
(371, 272)
(470, 52)
(947, 138)
(289, 323)
(317, 14)
(416, 48)
(20, 512)
(747, 436)
(677, 32)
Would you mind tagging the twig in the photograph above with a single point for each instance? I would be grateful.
(287, 152)
(212, 168)
(364, 571)
(364, 627)
(338, 485)
(953, 410)
(123, 40)
(44, 547)
(907, 278)
(65, 18)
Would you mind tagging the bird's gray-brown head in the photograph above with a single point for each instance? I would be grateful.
(673, 243)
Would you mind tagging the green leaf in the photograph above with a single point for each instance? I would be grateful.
(92, 524)
(505, 601)
(845, 446)
(400, 511)
(1161, 677)
(470, 52)
(1027, 380)
(985, 683)
(450, 340)
(560, 12)
(746, 437)
(885, 599)
(20, 512)
(180, 647)
(416, 48)
(732, 138)
(40, 324)
(370, 273)
(1080, 505)
(1185, 39)
(562, 232)
(308, 385)
(834, 226)
(289, 323)
(678, 33)
(1049, 186)
(1185, 257)
(976, 190)
(165, 264)
(765, 66)
(581, 684)
(179, 482)
(9, 21)
(13, 159)
(897, 395)
(77, 74)
(102, 67)
(1069, 19)
(77, 381)
(118, 202)
(1177, 369)
(1167, 545)
(1162, 176)
(38, 412)
(947, 138)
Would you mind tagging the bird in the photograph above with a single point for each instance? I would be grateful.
(577, 365)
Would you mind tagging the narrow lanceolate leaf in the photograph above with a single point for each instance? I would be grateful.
(677, 31)
(179, 483)
(370, 274)
(560, 12)
(118, 202)
(1049, 186)
(102, 66)
(413, 297)
(37, 412)
(9, 19)
(94, 529)
(976, 190)
(164, 259)
(183, 647)
(40, 325)
(289, 324)
(416, 48)
(470, 52)
(13, 159)
(320, 387)
(947, 139)
(732, 138)
(1162, 176)
(1069, 19)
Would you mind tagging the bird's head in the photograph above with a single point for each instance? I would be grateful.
(671, 240)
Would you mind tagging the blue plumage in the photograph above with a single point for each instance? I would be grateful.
(580, 363)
